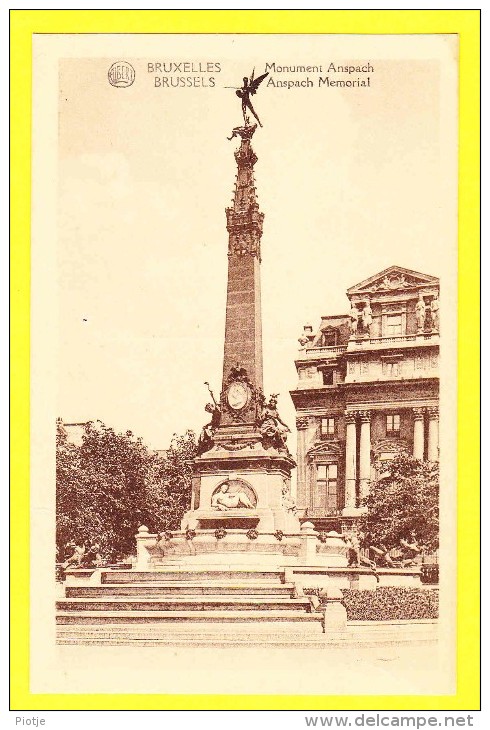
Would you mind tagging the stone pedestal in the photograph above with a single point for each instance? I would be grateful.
(335, 614)
(259, 480)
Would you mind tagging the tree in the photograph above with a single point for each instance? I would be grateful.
(404, 503)
(111, 484)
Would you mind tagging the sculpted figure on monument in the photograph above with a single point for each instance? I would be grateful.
(92, 557)
(382, 556)
(412, 552)
(287, 501)
(420, 313)
(206, 440)
(355, 559)
(272, 427)
(244, 93)
(75, 555)
(224, 500)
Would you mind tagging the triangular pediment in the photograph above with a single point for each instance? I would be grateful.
(394, 278)
(326, 448)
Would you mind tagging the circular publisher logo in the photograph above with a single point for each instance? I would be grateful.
(121, 74)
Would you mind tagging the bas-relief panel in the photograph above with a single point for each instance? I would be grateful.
(424, 365)
(310, 377)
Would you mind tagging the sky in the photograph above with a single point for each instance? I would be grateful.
(351, 181)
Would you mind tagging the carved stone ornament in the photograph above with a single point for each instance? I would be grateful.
(233, 494)
(287, 501)
(398, 446)
(239, 395)
(327, 449)
(393, 282)
(234, 446)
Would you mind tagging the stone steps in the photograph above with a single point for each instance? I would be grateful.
(201, 574)
(169, 589)
(130, 616)
(187, 603)
(205, 605)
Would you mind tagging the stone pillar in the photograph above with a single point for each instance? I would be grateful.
(335, 615)
(365, 454)
(308, 542)
(350, 461)
(418, 433)
(302, 487)
(433, 445)
(144, 540)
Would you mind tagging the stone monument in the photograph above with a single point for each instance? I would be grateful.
(242, 475)
(237, 567)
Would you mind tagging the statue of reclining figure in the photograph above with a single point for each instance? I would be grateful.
(224, 500)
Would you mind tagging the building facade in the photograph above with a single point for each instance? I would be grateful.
(368, 388)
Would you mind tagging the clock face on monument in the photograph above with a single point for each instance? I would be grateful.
(237, 396)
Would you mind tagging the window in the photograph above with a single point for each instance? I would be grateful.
(328, 377)
(330, 338)
(328, 427)
(393, 325)
(393, 424)
(391, 369)
(325, 496)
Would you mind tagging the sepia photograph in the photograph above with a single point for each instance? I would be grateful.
(244, 277)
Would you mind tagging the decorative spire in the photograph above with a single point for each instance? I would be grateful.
(244, 219)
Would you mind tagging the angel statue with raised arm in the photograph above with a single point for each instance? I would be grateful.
(248, 89)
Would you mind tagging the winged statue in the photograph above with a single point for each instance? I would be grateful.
(249, 88)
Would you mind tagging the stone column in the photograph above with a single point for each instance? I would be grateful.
(365, 454)
(302, 487)
(433, 445)
(418, 433)
(350, 460)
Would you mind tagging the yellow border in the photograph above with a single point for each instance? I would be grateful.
(464, 22)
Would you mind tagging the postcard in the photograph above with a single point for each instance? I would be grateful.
(244, 268)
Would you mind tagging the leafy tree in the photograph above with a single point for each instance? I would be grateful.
(404, 502)
(111, 484)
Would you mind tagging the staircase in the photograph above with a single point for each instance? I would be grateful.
(189, 607)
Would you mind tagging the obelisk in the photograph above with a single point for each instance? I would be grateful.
(241, 394)
(243, 331)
